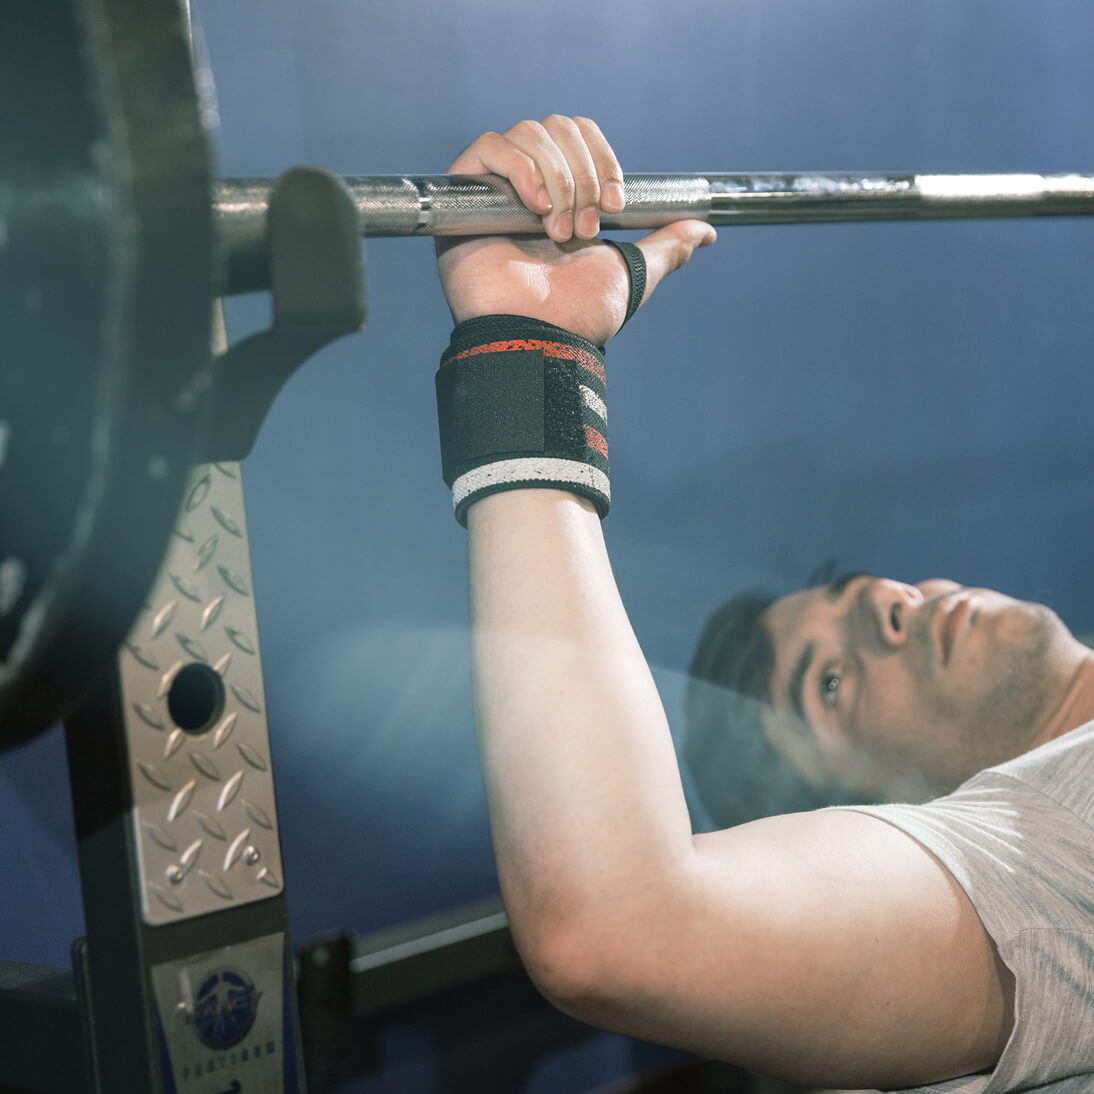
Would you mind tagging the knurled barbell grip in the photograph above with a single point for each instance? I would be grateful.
(448, 205)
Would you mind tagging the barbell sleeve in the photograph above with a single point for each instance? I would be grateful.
(454, 205)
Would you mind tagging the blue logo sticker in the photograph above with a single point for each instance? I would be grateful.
(225, 1008)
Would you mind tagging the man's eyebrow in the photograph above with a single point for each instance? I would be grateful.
(795, 686)
(835, 589)
(797, 678)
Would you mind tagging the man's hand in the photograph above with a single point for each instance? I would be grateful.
(565, 171)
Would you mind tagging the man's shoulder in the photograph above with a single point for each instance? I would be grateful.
(1013, 828)
(1016, 838)
(1062, 770)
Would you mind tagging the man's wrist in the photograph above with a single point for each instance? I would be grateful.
(521, 404)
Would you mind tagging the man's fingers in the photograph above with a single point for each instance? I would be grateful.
(583, 170)
(495, 154)
(561, 168)
(607, 166)
(669, 248)
(550, 157)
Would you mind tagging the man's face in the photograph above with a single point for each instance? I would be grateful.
(907, 690)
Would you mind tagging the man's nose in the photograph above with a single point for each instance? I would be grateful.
(892, 605)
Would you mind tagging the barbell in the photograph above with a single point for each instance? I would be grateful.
(459, 205)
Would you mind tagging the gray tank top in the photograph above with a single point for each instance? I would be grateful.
(1017, 838)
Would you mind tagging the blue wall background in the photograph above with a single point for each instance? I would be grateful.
(912, 399)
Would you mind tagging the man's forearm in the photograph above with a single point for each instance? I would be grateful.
(586, 805)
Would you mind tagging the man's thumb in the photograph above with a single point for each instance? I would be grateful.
(669, 248)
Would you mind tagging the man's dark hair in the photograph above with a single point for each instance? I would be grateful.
(737, 773)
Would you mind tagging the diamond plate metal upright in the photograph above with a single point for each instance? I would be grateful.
(189, 964)
(204, 819)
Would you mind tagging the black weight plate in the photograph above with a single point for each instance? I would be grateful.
(105, 289)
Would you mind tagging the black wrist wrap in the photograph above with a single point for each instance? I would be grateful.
(521, 403)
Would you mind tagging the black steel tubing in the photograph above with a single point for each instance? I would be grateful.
(447, 205)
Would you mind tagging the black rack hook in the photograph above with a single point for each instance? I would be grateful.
(317, 277)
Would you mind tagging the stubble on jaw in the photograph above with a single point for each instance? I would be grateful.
(1023, 688)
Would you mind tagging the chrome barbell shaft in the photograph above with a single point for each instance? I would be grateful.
(450, 205)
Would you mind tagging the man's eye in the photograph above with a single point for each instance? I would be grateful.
(829, 686)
